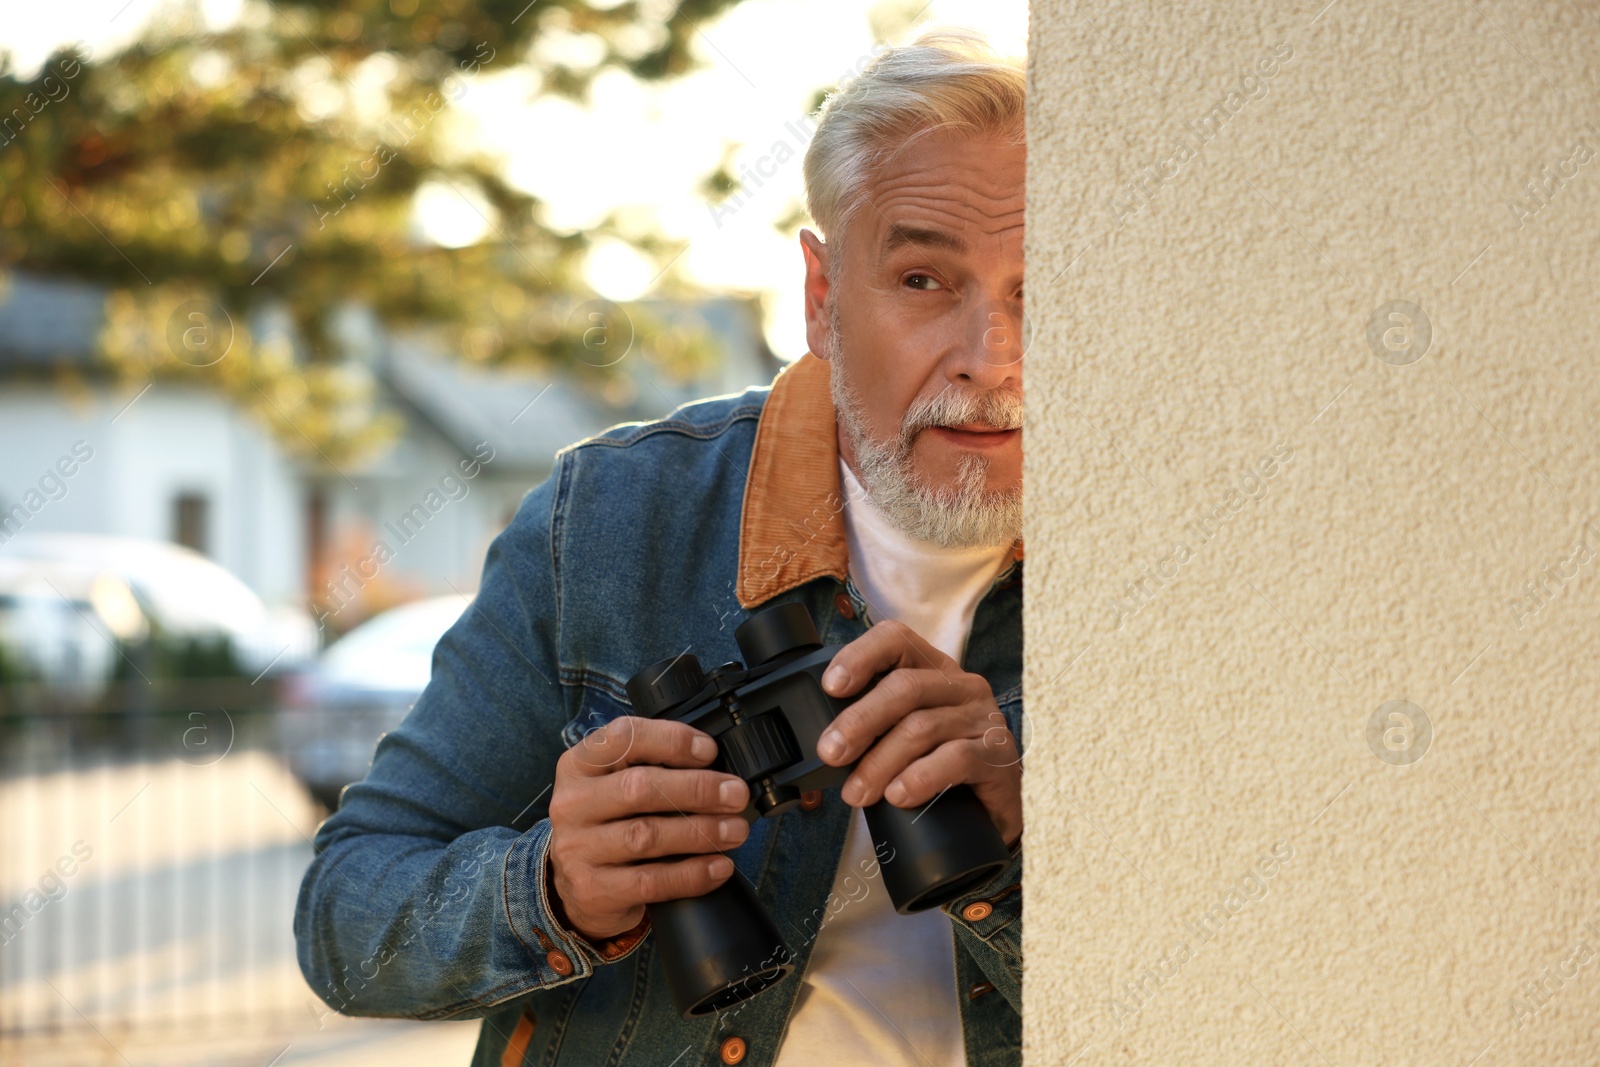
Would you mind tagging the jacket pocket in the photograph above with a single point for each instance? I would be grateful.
(596, 707)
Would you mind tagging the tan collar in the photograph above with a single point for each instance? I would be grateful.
(792, 527)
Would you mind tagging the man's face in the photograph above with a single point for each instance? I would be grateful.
(927, 348)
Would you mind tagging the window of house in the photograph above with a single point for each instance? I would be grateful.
(191, 517)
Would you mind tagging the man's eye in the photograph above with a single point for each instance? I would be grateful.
(923, 281)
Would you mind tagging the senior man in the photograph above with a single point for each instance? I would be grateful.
(497, 859)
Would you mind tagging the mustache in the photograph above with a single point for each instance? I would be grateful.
(1000, 410)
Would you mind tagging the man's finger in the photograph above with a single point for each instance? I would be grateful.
(653, 836)
(884, 647)
(658, 880)
(650, 790)
(913, 737)
(897, 694)
(955, 763)
(632, 740)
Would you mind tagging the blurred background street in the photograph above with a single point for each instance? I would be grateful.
(175, 920)
(298, 298)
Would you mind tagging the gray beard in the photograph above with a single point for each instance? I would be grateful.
(963, 515)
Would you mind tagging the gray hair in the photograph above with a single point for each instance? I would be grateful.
(948, 78)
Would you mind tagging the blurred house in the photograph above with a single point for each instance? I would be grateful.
(181, 463)
(173, 464)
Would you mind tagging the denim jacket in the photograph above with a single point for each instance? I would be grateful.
(427, 898)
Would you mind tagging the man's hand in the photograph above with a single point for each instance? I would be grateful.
(934, 724)
(632, 791)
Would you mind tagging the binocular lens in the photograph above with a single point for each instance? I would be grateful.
(722, 948)
(718, 949)
(938, 851)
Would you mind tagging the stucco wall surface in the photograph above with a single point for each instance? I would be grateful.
(1313, 755)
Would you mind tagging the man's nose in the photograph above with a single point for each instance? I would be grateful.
(996, 337)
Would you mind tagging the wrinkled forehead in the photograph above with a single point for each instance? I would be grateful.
(956, 191)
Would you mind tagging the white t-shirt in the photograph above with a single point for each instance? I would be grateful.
(880, 987)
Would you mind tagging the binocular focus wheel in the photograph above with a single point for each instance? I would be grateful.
(759, 745)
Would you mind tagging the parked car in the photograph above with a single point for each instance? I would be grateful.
(67, 601)
(358, 690)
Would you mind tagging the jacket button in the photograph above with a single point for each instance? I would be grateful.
(978, 909)
(733, 1050)
(559, 962)
(979, 990)
(842, 602)
(811, 800)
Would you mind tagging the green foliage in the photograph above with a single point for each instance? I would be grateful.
(235, 189)
(171, 657)
(9, 672)
(196, 658)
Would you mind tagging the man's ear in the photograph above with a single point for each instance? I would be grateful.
(816, 283)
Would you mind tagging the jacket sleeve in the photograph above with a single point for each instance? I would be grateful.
(427, 897)
(988, 922)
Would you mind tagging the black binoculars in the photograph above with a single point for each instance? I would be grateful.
(766, 715)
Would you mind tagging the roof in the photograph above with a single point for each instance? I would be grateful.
(48, 322)
(529, 415)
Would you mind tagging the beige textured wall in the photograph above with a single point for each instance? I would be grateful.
(1217, 323)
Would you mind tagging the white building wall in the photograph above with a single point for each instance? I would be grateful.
(170, 440)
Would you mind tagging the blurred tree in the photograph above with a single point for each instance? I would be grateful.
(240, 191)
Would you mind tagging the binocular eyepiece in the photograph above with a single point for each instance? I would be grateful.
(766, 715)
